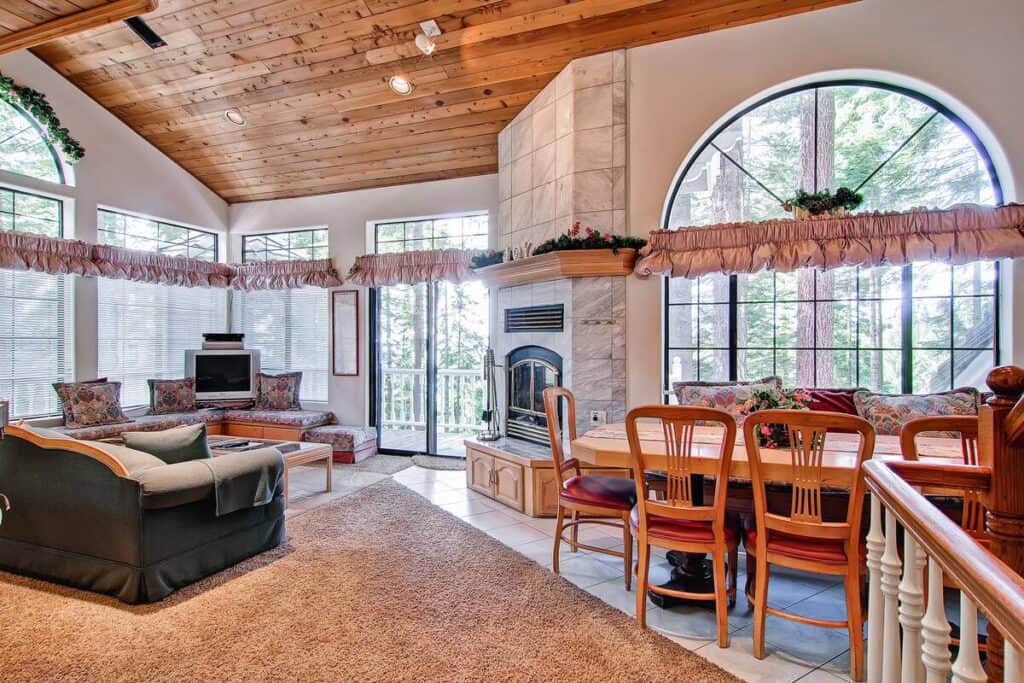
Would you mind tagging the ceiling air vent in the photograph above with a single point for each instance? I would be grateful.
(535, 319)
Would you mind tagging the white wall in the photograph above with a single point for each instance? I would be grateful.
(346, 216)
(965, 54)
(120, 170)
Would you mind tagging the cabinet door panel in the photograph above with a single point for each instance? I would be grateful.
(508, 484)
(479, 469)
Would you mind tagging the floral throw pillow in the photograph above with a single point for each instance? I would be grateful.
(278, 392)
(172, 395)
(64, 389)
(95, 404)
(727, 396)
(887, 413)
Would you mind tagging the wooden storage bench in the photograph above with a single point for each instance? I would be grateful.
(518, 474)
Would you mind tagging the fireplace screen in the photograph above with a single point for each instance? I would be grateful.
(531, 369)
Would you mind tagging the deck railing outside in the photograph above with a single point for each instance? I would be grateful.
(459, 400)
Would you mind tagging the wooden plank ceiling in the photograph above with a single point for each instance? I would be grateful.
(310, 77)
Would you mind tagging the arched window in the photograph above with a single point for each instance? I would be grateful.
(918, 328)
(24, 149)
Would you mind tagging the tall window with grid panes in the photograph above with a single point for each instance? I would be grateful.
(290, 327)
(36, 314)
(143, 329)
(918, 328)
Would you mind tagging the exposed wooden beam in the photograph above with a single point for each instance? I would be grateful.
(71, 24)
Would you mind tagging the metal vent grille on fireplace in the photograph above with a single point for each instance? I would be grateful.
(535, 319)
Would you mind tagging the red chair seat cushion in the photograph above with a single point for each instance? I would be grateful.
(617, 493)
(828, 550)
(680, 530)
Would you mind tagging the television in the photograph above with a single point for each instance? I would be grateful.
(223, 374)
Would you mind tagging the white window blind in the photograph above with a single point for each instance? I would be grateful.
(36, 314)
(290, 328)
(36, 340)
(144, 329)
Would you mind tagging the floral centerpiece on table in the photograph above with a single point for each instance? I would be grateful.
(774, 436)
(805, 204)
(588, 238)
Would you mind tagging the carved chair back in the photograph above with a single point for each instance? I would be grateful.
(677, 429)
(808, 431)
(973, 518)
(563, 465)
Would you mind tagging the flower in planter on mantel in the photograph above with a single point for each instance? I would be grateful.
(587, 238)
(774, 436)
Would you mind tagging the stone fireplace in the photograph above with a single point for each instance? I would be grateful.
(590, 346)
(530, 370)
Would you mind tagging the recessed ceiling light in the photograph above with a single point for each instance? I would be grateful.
(401, 85)
(234, 116)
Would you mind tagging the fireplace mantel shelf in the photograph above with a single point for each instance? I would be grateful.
(555, 265)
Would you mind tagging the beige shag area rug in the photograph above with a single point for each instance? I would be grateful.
(378, 586)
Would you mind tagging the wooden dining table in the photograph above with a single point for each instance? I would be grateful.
(607, 446)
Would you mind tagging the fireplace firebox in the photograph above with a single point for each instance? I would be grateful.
(531, 370)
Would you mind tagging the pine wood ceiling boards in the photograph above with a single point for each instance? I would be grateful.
(310, 76)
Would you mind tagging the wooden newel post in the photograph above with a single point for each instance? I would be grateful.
(1001, 442)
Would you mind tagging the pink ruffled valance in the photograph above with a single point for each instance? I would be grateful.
(145, 266)
(957, 235)
(26, 251)
(285, 275)
(411, 267)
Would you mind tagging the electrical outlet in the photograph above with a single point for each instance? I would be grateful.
(598, 417)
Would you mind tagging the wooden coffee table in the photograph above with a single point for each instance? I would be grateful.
(295, 453)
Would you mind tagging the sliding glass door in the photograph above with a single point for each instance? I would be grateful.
(428, 346)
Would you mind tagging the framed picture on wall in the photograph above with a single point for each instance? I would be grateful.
(345, 332)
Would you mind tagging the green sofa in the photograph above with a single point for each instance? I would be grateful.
(122, 522)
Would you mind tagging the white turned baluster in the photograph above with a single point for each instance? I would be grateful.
(911, 610)
(890, 593)
(967, 668)
(935, 629)
(1013, 670)
(876, 544)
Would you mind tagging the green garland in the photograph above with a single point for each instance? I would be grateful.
(36, 104)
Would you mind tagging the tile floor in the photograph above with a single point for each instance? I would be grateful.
(795, 652)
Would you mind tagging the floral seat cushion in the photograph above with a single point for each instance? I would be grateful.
(143, 423)
(887, 413)
(168, 396)
(340, 437)
(287, 418)
(727, 396)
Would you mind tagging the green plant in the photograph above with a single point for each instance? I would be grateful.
(817, 203)
(588, 238)
(36, 104)
(774, 436)
(488, 258)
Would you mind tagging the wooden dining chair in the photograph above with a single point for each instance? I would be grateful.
(972, 511)
(587, 498)
(801, 539)
(680, 521)
(972, 519)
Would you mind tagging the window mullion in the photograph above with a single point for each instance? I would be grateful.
(907, 331)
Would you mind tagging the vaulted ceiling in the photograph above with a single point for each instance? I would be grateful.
(310, 77)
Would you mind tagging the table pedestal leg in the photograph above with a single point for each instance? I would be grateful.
(691, 572)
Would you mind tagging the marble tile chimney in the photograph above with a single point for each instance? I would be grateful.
(561, 160)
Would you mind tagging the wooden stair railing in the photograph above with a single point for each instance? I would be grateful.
(908, 629)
